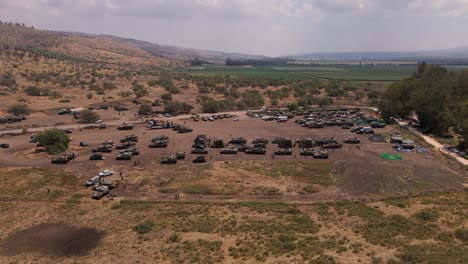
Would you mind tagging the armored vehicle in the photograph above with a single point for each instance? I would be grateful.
(257, 151)
(217, 143)
(307, 152)
(352, 141)
(125, 145)
(304, 143)
(125, 126)
(199, 159)
(324, 141)
(228, 150)
(332, 145)
(199, 151)
(239, 140)
(158, 144)
(96, 156)
(129, 138)
(321, 155)
(124, 156)
(285, 143)
(260, 141)
(283, 151)
(171, 159)
(100, 192)
(60, 160)
(133, 149)
(180, 155)
(103, 149)
(184, 130)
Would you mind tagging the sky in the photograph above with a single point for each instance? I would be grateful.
(261, 27)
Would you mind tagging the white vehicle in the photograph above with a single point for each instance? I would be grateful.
(211, 118)
(282, 118)
(93, 181)
(266, 118)
(98, 121)
(106, 173)
(236, 119)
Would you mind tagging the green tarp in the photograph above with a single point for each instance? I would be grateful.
(388, 156)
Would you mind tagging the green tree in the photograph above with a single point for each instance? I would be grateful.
(19, 109)
(89, 116)
(145, 109)
(54, 140)
(33, 91)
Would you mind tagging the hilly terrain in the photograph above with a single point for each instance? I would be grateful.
(107, 49)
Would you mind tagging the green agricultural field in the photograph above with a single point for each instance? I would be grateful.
(341, 72)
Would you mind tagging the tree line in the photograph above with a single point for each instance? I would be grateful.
(252, 62)
(437, 96)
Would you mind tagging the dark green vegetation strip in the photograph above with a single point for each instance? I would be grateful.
(337, 72)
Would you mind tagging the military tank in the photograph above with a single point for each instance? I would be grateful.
(307, 152)
(60, 160)
(283, 151)
(228, 150)
(96, 156)
(129, 138)
(256, 151)
(239, 140)
(352, 140)
(124, 156)
(332, 146)
(171, 159)
(199, 159)
(321, 155)
(125, 126)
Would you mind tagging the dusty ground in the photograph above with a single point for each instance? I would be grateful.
(234, 209)
(348, 173)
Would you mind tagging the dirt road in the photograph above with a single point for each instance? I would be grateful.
(441, 148)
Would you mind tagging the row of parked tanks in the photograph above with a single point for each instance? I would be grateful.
(345, 119)
(202, 144)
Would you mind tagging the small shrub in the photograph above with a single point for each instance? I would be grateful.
(427, 215)
(174, 238)
(144, 227)
(462, 234)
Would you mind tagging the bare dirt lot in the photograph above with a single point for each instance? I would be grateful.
(349, 172)
(52, 238)
(354, 207)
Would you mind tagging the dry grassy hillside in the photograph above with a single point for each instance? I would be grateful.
(80, 46)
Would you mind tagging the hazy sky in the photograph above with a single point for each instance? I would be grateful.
(268, 27)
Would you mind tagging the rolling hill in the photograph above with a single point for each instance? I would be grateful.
(106, 48)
